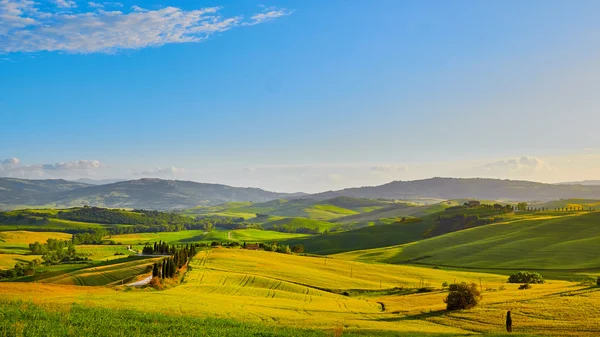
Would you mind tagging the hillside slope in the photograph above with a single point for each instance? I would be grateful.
(477, 188)
(33, 192)
(549, 240)
(143, 193)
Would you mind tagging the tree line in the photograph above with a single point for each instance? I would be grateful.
(167, 268)
(56, 251)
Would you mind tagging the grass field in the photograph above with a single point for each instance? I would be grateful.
(388, 232)
(15, 244)
(112, 272)
(239, 235)
(294, 223)
(264, 290)
(550, 240)
(297, 208)
(577, 203)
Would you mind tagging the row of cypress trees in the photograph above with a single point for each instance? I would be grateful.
(180, 256)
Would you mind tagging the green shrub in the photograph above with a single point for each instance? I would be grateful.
(526, 277)
(525, 286)
(462, 296)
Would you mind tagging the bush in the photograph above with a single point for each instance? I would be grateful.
(298, 249)
(526, 277)
(462, 296)
(598, 281)
(525, 286)
(425, 290)
(444, 285)
(215, 244)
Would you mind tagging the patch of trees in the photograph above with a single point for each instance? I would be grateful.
(526, 277)
(93, 237)
(462, 296)
(457, 222)
(56, 251)
(284, 249)
(299, 230)
(20, 269)
(180, 256)
(239, 225)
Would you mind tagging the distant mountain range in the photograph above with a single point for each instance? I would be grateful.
(174, 194)
(583, 182)
(474, 188)
(144, 193)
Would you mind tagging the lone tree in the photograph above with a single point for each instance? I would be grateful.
(462, 296)
(526, 277)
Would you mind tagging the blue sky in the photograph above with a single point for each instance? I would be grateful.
(300, 95)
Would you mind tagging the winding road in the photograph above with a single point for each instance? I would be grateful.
(141, 282)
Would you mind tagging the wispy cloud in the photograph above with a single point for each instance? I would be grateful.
(65, 3)
(27, 27)
(523, 165)
(267, 14)
(95, 5)
(12, 168)
(160, 172)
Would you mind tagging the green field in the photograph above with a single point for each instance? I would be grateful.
(550, 240)
(269, 293)
(577, 203)
(112, 272)
(304, 208)
(198, 236)
(367, 285)
(295, 223)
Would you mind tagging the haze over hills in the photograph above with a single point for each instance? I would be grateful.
(475, 188)
(143, 193)
(174, 194)
(583, 182)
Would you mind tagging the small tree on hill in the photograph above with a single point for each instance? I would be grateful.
(526, 277)
(462, 296)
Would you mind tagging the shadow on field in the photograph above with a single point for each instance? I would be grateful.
(421, 316)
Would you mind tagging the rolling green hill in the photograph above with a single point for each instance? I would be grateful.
(325, 210)
(577, 203)
(144, 193)
(546, 240)
(296, 224)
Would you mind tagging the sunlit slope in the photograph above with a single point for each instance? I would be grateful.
(110, 273)
(304, 208)
(544, 241)
(368, 237)
(571, 203)
(189, 236)
(286, 290)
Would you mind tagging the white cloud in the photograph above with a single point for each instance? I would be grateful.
(65, 3)
(24, 27)
(95, 5)
(10, 163)
(525, 165)
(160, 172)
(388, 168)
(75, 169)
(268, 14)
(74, 165)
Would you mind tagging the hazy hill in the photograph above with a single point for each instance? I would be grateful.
(476, 188)
(143, 193)
(583, 182)
(161, 194)
(33, 192)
